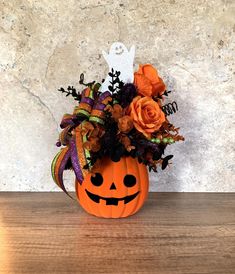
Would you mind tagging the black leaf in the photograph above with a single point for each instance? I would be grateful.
(169, 157)
(165, 161)
(164, 164)
(110, 88)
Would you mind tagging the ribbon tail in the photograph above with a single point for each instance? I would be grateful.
(78, 155)
(58, 167)
(75, 160)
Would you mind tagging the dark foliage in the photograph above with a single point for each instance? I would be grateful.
(71, 91)
(115, 84)
(145, 147)
(126, 94)
(95, 86)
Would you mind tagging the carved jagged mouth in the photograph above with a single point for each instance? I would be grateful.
(111, 201)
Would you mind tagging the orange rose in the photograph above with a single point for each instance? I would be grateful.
(148, 82)
(146, 114)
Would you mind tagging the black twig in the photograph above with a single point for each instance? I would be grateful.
(81, 81)
(71, 91)
(116, 83)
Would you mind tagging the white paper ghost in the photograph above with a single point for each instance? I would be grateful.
(120, 59)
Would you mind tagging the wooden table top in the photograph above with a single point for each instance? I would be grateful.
(173, 233)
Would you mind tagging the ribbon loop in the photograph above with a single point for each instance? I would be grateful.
(86, 104)
(97, 113)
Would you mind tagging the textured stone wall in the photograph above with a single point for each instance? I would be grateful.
(47, 44)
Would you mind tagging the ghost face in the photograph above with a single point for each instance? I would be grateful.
(118, 49)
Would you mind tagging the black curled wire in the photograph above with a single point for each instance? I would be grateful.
(170, 108)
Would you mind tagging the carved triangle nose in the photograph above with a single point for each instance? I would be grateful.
(113, 186)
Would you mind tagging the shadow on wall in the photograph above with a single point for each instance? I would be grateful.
(180, 175)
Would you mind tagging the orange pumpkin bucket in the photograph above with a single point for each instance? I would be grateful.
(117, 190)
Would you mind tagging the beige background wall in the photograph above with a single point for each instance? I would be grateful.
(47, 44)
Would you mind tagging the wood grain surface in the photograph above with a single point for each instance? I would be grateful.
(174, 233)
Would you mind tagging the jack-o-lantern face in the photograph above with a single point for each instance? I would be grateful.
(117, 190)
(97, 180)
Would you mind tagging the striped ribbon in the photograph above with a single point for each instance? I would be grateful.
(97, 113)
(58, 166)
(73, 137)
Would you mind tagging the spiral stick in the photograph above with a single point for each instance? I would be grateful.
(170, 108)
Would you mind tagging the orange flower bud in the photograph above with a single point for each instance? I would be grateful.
(117, 112)
(125, 124)
(148, 82)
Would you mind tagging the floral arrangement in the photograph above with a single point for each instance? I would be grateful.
(129, 119)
